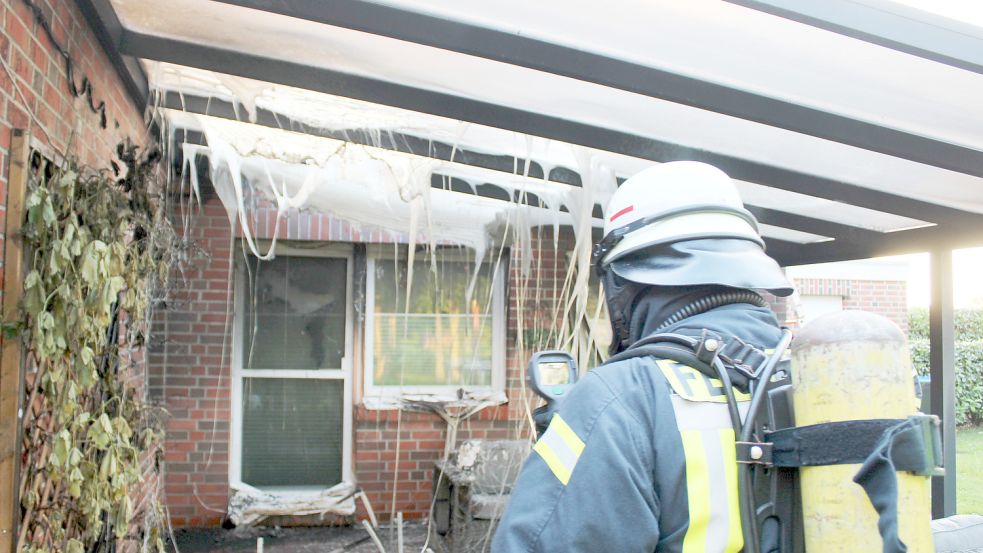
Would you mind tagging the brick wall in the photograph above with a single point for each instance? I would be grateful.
(39, 86)
(884, 297)
(35, 95)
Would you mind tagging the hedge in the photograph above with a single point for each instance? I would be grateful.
(969, 359)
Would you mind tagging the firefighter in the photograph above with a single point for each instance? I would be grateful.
(640, 457)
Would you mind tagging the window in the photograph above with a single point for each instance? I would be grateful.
(436, 326)
(291, 412)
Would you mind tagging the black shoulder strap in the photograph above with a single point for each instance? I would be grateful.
(741, 359)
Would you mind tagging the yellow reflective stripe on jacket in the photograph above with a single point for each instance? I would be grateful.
(560, 448)
(711, 474)
(698, 492)
(693, 385)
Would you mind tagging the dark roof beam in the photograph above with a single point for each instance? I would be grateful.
(892, 243)
(812, 225)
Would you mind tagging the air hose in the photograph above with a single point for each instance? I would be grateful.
(713, 301)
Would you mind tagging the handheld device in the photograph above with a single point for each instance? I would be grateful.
(552, 374)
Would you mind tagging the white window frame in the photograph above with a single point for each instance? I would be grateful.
(342, 251)
(498, 335)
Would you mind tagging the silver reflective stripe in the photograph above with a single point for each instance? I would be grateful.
(560, 447)
(718, 529)
(706, 430)
(704, 415)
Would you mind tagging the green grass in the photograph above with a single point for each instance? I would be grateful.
(969, 470)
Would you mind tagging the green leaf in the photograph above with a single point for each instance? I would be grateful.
(32, 279)
(122, 428)
(74, 545)
(99, 433)
(48, 212)
(67, 178)
(104, 423)
(46, 321)
(33, 199)
(60, 449)
(124, 512)
(88, 357)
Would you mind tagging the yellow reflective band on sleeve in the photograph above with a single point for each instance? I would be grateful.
(560, 448)
(698, 491)
(735, 538)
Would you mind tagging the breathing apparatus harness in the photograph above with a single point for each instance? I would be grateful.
(771, 449)
(714, 357)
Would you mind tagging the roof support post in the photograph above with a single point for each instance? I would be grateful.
(942, 359)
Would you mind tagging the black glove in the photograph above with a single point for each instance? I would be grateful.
(542, 417)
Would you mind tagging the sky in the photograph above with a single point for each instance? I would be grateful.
(969, 11)
(967, 282)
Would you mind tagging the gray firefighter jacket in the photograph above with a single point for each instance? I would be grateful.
(640, 457)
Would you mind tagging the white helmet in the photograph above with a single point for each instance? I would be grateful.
(689, 216)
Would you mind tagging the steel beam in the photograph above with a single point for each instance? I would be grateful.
(891, 243)
(107, 27)
(254, 66)
(942, 358)
(541, 55)
(886, 24)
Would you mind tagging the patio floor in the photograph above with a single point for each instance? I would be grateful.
(330, 539)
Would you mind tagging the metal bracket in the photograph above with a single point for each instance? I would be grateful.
(754, 453)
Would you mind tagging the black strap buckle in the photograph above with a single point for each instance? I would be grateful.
(755, 453)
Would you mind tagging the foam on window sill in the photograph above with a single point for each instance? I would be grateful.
(249, 505)
(418, 401)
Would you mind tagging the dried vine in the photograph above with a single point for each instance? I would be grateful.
(99, 249)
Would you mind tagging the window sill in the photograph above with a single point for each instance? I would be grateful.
(429, 401)
(249, 505)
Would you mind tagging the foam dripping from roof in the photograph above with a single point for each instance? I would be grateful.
(375, 188)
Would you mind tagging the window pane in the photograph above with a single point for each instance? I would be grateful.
(295, 314)
(444, 338)
(432, 350)
(292, 432)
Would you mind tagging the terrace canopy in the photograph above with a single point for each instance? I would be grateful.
(853, 127)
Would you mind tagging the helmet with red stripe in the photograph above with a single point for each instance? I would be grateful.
(689, 217)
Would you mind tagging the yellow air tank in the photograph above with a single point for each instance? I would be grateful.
(855, 365)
